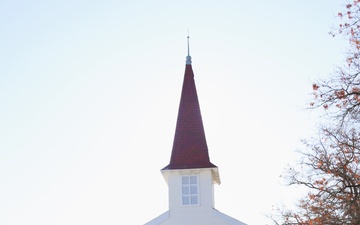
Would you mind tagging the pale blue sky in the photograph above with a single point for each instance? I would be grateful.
(89, 93)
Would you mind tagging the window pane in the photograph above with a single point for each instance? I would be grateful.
(185, 190)
(185, 200)
(193, 179)
(185, 180)
(193, 190)
(194, 200)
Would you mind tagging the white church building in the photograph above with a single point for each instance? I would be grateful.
(190, 175)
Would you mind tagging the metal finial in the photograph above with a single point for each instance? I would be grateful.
(188, 45)
(188, 57)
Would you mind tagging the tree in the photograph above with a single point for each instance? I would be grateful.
(331, 172)
(330, 166)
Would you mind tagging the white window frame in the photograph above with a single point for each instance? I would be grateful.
(190, 195)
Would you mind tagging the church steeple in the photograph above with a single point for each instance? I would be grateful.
(190, 175)
(189, 148)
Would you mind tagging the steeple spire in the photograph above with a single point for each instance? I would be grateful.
(188, 57)
(189, 148)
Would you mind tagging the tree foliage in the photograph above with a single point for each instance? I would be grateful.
(330, 166)
(331, 172)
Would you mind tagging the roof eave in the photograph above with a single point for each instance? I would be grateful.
(214, 173)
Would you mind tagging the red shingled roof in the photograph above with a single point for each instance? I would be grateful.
(189, 148)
